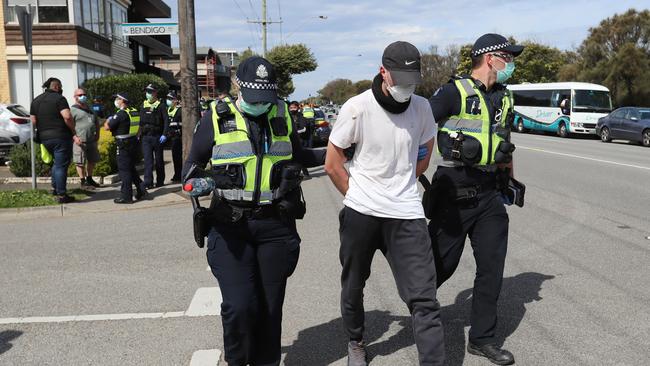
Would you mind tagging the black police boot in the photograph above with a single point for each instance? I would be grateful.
(91, 182)
(65, 199)
(492, 352)
(141, 194)
(121, 200)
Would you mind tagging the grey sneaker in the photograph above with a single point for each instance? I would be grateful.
(357, 354)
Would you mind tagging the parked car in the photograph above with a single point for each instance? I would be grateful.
(14, 119)
(626, 123)
(7, 141)
(322, 128)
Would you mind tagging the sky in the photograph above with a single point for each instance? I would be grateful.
(349, 42)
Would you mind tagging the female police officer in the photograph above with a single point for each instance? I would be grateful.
(253, 245)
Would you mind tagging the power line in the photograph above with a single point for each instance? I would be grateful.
(249, 26)
(280, 15)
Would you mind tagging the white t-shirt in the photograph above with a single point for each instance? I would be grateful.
(382, 171)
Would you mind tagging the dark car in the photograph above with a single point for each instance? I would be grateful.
(626, 123)
(322, 128)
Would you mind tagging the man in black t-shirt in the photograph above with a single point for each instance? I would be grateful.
(50, 114)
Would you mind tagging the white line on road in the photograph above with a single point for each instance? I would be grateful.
(205, 302)
(584, 158)
(205, 357)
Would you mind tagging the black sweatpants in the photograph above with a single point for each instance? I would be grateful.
(406, 246)
(485, 220)
(126, 153)
(252, 260)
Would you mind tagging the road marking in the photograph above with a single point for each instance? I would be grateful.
(205, 357)
(584, 158)
(206, 302)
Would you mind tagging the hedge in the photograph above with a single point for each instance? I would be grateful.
(107, 156)
(21, 161)
(133, 84)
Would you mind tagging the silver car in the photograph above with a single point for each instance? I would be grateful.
(14, 119)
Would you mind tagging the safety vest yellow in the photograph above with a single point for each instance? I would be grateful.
(235, 148)
(308, 113)
(134, 121)
(171, 112)
(474, 120)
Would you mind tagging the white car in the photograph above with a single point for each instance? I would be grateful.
(14, 119)
(7, 141)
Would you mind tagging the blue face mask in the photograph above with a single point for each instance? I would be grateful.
(169, 103)
(254, 109)
(506, 73)
(83, 99)
(149, 96)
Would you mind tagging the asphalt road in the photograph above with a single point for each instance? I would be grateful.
(575, 290)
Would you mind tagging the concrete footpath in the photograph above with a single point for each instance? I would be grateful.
(100, 199)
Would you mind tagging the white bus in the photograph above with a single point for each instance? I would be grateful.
(538, 107)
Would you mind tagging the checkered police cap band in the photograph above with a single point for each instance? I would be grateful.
(258, 86)
(495, 47)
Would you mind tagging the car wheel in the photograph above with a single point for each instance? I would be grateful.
(561, 131)
(520, 126)
(646, 138)
(605, 135)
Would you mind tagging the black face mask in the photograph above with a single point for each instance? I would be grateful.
(293, 112)
(386, 101)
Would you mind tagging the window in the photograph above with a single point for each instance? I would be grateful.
(592, 101)
(53, 11)
(632, 113)
(532, 98)
(644, 114)
(142, 54)
(87, 19)
(620, 113)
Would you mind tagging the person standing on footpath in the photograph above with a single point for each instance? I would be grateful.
(86, 154)
(473, 113)
(50, 115)
(383, 210)
(154, 127)
(174, 113)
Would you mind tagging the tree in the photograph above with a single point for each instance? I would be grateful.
(338, 91)
(247, 53)
(290, 60)
(437, 69)
(362, 85)
(617, 54)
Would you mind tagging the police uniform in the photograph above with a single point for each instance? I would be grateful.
(153, 124)
(308, 115)
(124, 126)
(174, 114)
(253, 246)
(474, 143)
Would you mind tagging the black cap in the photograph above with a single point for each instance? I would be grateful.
(172, 95)
(402, 59)
(151, 87)
(257, 81)
(122, 95)
(491, 42)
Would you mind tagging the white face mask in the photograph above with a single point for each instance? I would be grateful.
(401, 93)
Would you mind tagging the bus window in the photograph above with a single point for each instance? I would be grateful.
(532, 98)
(592, 101)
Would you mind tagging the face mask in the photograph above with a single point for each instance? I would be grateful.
(401, 93)
(116, 104)
(506, 73)
(169, 103)
(83, 99)
(149, 96)
(254, 109)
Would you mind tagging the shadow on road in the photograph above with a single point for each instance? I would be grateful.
(326, 343)
(6, 336)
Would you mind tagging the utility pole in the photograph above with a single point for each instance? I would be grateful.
(189, 94)
(25, 21)
(264, 22)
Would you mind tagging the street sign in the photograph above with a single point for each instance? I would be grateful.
(148, 29)
(25, 21)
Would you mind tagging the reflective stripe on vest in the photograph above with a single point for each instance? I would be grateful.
(171, 112)
(134, 121)
(478, 125)
(235, 148)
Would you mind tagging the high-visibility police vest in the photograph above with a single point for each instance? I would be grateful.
(308, 113)
(235, 147)
(171, 112)
(134, 121)
(478, 125)
(151, 117)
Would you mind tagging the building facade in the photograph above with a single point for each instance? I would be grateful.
(75, 40)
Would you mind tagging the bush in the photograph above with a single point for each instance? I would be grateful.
(107, 163)
(133, 84)
(21, 161)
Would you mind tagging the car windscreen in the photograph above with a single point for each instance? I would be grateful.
(18, 110)
(592, 101)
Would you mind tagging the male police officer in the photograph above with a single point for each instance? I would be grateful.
(154, 125)
(253, 245)
(174, 114)
(474, 142)
(124, 125)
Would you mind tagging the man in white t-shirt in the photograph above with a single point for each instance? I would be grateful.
(393, 131)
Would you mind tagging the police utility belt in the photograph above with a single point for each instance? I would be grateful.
(466, 150)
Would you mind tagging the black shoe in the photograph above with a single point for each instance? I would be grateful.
(176, 179)
(84, 183)
(91, 182)
(122, 201)
(160, 184)
(148, 186)
(141, 194)
(65, 199)
(492, 352)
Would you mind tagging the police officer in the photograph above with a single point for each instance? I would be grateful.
(253, 245)
(174, 115)
(154, 125)
(474, 141)
(309, 117)
(125, 125)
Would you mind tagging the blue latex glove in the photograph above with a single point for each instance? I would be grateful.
(422, 152)
(162, 139)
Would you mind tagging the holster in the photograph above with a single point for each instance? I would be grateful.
(292, 206)
(202, 220)
(430, 195)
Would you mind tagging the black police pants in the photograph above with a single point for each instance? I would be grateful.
(252, 260)
(177, 156)
(406, 246)
(126, 153)
(485, 220)
(152, 150)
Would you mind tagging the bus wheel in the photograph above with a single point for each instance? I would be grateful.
(561, 131)
(646, 138)
(605, 136)
(520, 126)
